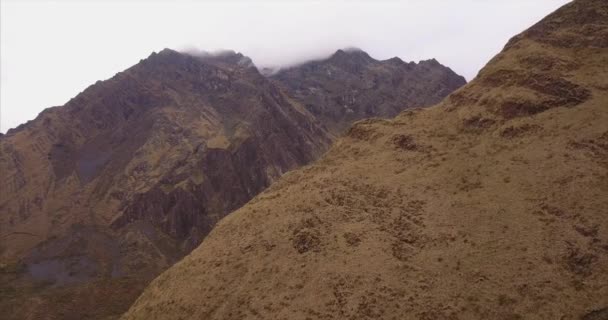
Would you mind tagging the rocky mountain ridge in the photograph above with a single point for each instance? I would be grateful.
(350, 85)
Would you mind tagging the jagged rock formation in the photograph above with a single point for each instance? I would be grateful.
(490, 205)
(104, 193)
(146, 162)
(172, 140)
(350, 85)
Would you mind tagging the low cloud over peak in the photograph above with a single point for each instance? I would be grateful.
(273, 34)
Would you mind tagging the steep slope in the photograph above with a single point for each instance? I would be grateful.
(130, 175)
(172, 124)
(350, 85)
(101, 195)
(490, 205)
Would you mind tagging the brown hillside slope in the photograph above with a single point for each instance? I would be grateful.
(491, 205)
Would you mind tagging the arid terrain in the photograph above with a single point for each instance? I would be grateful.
(102, 194)
(490, 205)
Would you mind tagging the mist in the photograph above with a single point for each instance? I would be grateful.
(50, 51)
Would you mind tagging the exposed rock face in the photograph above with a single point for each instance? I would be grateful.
(490, 205)
(104, 193)
(175, 142)
(195, 135)
(350, 85)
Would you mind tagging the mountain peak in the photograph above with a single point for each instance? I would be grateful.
(355, 86)
(225, 57)
(221, 58)
(352, 55)
(431, 61)
(395, 60)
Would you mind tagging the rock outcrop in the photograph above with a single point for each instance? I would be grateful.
(350, 85)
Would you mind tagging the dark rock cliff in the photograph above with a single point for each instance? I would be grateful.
(350, 85)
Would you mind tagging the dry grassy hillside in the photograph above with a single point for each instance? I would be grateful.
(491, 205)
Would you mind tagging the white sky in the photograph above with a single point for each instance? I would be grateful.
(52, 50)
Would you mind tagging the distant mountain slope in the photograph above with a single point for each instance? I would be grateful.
(104, 193)
(132, 173)
(350, 85)
(491, 205)
(169, 140)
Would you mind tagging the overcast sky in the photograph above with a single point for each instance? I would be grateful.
(52, 50)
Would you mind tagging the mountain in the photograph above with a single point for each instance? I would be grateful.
(199, 132)
(489, 205)
(128, 176)
(102, 194)
(350, 85)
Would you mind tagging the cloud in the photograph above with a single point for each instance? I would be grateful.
(52, 50)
